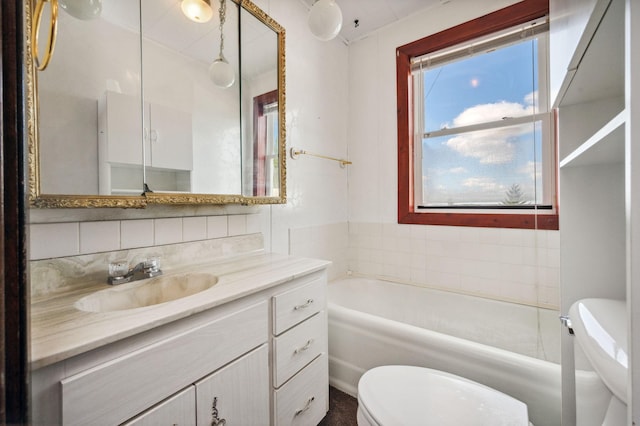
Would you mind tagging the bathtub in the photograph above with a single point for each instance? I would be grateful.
(509, 347)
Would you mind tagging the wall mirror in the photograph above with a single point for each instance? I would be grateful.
(128, 111)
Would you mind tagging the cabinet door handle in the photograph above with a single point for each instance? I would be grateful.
(215, 418)
(304, 348)
(304, 305)
(306, 407)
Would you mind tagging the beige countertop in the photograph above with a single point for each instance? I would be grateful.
(60, 331)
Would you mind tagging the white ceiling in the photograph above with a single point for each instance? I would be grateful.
(375, 14)
(164, 23)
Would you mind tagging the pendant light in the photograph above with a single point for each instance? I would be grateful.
(82, 9)
(220, 71)
(325, 19)
(197, 10)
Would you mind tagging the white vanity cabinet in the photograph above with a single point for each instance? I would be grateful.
(257, 360)
(237, 394)
(167, 149)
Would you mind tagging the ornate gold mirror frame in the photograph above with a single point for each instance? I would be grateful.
(40, 200)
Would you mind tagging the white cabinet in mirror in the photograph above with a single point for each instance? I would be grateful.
(126, 104)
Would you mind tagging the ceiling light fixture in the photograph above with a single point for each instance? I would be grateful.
(197, 10)
(220, 71)
(325, 19)
(82, 9)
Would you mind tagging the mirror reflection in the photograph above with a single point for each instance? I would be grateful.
(144, 99)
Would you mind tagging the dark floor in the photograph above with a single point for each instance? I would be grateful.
(342, 409)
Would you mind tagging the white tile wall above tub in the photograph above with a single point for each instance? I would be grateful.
(49, 240)
(330, 242)
(194, 228)
(168, 231)
(217, 226)
(505, 264)
(136, 233)
(96, 237)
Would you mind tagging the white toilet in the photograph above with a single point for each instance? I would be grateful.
(395, 395)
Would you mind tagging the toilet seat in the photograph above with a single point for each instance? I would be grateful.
(397, 395)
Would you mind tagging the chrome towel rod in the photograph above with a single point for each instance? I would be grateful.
(295, 153)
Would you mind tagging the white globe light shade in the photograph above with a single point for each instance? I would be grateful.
(221, 73)
(82, 9)
(325, 19)
(197, 10)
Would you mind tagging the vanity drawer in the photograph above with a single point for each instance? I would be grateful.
(297, 347)
(123, 387)
(304, 399)
(294, 306)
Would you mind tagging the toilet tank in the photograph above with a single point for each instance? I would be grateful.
(600, 328)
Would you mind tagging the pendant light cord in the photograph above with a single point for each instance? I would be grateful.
(222, 11)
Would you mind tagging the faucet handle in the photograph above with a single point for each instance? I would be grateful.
(119, 273)
(151, 267)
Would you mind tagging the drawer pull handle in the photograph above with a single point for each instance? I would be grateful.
(304, 348)
(303, 306)
(306, 407)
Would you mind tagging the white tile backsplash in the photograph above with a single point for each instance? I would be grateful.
(53, 240)
(136, 233)
(168, 231)
(48, 240)
(194, 228)
(237, 225)
(217, 226)
(96, 237)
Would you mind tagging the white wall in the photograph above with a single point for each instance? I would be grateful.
(515, 265)
(341, 101)
(317, 118)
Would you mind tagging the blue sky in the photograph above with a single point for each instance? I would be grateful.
(481, 166)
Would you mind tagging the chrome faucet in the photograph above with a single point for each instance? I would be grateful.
(120, 273)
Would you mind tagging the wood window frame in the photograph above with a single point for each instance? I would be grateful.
(260, 141)
(510, 16)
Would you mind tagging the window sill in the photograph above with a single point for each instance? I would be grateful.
(546, 221)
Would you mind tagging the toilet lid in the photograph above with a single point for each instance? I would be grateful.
(404, 395)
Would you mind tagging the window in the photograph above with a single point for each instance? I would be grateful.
(475, 139)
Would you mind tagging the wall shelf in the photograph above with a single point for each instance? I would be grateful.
(606, 146)
(596, 70)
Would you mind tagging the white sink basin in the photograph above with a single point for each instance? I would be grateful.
(147, 293)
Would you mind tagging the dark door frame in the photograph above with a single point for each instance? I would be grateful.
(14, 283)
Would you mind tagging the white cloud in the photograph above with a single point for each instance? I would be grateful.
(458, 170)
(531, 98)
(490, 146)
(484, 184)
(491, 112)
